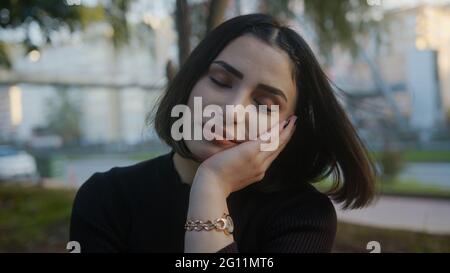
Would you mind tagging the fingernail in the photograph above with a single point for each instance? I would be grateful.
(295, 122)
(287, 123)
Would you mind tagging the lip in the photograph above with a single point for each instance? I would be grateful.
(224, 141)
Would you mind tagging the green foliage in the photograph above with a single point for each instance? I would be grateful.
(4, 60)
(391, 162)
(338, 22)
(116, 17)
(47, 13)
(280, 8)
(51, 15)
(335, 22)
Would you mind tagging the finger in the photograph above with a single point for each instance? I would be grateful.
(285, 131)
(266, 135)
(271, 136)
(263, 137)
(284, 140)
(254, 146)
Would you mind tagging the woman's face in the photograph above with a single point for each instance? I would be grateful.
(246, 72)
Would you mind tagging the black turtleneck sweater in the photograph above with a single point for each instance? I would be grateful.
(143, 208)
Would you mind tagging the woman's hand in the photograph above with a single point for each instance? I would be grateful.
(242, 165)
(222, 174)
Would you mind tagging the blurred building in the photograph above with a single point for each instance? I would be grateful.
(113, 88)
(403, 73)
(410, 61)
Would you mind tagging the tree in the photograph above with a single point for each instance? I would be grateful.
(334, 22)
(52, 15)
(184, 13)
(337, 21)
(183, 24)
(217, 9)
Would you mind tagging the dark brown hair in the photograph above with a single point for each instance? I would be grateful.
(325, 142)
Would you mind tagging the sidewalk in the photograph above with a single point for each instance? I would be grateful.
(415, 214)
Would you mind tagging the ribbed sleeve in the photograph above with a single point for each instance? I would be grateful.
(301, 227)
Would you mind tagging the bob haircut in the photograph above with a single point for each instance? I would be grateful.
(325, 142)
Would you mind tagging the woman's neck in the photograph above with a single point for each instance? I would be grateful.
(185, 167)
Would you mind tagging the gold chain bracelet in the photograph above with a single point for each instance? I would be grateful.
(225, 224)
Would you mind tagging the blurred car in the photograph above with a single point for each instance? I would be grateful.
(17, 165)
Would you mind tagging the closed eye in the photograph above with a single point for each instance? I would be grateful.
(262, 104)
(219, 83)
(267, 108)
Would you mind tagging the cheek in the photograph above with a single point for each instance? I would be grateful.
(201, 89)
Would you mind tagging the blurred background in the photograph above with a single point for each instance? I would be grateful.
(78, 79)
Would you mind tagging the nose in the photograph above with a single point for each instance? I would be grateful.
(237, 121)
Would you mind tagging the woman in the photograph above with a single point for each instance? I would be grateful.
(188, 199)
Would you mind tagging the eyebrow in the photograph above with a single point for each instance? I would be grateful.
(272, 90)
(230, 69)
(263, 87)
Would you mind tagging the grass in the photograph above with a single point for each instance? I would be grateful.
(402, 188)
(354, 238)
(34, 219)
(138, 156)
(413, 188)
(427, 156)
(143, 155)
(422, 156)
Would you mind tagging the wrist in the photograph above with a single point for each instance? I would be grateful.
(209, 182)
